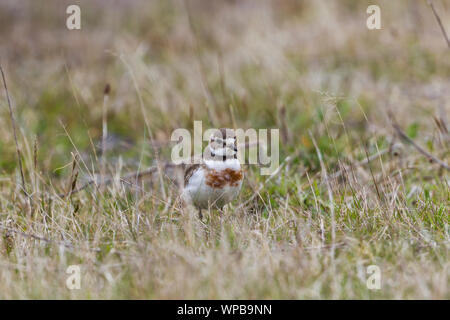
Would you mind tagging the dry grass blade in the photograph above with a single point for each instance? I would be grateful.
(147, 125)
(405, 137)
(13, 122)
(330, 193)
(73, 175)
(436, 15)
(106, 92)
(39, 238)
(134, 175)
(33, 236)
(363, 162)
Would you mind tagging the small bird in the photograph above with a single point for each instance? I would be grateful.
(217, 179)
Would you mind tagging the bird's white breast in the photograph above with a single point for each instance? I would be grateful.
(202, 195)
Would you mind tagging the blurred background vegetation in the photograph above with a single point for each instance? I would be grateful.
(204, 60)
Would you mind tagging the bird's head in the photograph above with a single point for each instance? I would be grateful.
(222, 145)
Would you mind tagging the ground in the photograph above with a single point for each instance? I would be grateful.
(350, 193)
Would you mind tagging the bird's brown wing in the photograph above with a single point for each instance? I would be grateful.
(189, 171)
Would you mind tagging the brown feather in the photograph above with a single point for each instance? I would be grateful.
(189, 171)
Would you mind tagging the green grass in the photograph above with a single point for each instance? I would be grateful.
(335, 80)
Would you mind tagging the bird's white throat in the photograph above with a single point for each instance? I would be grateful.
(222, 165)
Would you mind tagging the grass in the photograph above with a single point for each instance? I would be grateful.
(311, 69)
